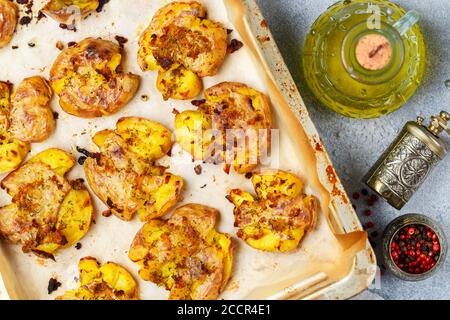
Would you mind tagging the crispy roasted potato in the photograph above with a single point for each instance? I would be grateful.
(185, 254)
(25, 117)
(64, 11)
(8, 21)
(179, 83)
(31, 118)
(235, 123)
(148, 139)
(277, 219)
(123, 174)
(183, 46)
(88, 79)
(47, 211)
(58, 160)
(109, 281)
(12, 153)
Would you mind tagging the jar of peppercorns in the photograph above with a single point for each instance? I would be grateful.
(414, 247)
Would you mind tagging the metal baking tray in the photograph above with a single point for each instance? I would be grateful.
(334, 262)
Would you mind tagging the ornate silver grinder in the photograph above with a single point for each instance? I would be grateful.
(404, 166)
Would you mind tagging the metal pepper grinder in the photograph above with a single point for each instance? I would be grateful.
(404, 166)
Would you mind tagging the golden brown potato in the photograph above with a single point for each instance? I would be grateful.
(123, 174)
(179, 83)
(277, 219)
(232, 125)
(185, 254)
(109, 281)
(183, 46)
(149, 139)
(8, 21)
(88, 79)
(64, 11)
(47, 211)
(12, 151)
(5, 101)
(25, 117)
(31, 118)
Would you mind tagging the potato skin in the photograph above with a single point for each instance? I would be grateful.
(62, 10)
(109, 281)
(8, 21)
(31, 118)
(47, 211)
(25, 117)
(185, 254)
(229, 109)
(88, 80)
(123, 174)
(12, 151)
(184, 46)
(278, 218)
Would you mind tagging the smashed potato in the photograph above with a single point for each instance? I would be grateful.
(88, 79)
(47, 211)
(231, 125)
(183, 46)
(123, 174)
(31, 118)
(25, 117)
(277, 219)
(8, 21)
(109, 281)
(64, 10)
(185, 254)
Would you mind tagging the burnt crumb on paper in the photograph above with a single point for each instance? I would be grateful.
(41, 16)
(70, 27)
(60, 45)
(234, 46)
(107, 213)
(101, 5)
(78, 246)
(121, 40)
(53, 285)
(55, 115)
(24, 21)
(82, 160)
(203, 186)
(198, 169)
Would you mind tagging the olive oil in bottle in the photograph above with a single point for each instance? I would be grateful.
(364, 59)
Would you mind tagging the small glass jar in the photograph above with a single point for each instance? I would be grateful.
(394, 227)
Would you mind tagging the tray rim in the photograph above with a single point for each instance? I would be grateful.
(364, 268)
(364, 265)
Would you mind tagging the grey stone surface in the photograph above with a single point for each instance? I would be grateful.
(354, 145)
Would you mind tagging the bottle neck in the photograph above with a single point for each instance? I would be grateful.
(372, 56)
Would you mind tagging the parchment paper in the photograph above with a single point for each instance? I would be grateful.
(256, 274)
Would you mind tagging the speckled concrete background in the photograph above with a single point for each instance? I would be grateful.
(354, 145)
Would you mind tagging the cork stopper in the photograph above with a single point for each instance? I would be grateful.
(373, 52)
